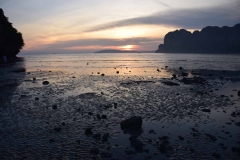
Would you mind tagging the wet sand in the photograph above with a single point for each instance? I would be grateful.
(199, 120)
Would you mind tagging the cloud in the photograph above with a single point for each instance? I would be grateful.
(96, 44)
(194, 18)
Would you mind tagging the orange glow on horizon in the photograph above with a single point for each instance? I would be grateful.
(128, 47)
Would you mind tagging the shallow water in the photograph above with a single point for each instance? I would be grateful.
(28, 126)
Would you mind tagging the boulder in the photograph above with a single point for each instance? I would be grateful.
(132, 123)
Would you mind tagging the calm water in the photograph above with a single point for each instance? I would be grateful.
(130, 63)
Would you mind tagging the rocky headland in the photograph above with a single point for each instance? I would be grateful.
(208, 40)
(11, 41)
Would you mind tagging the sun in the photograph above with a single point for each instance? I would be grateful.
(127, 47)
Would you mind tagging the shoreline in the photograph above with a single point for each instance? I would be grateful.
(177, 122)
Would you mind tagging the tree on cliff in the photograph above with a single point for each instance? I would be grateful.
(208, 40)
(11, 41)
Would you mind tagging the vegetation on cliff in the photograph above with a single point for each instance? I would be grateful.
(11, 41)
(208, 40)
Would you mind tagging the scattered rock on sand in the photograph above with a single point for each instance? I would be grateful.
(45, 82)
(169, 83)
(132, 123)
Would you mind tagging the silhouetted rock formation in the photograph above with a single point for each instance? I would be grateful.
(11, 41)
(208, 40)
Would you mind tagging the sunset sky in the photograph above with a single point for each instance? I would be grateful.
(72, 26)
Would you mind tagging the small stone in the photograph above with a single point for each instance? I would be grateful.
(58, 129)
(239, 93)
(94, 151)
(102, 74)
(36, 98)
(206, 110)
(104, 116)
(90, 113)
(54, 107)
(181, 138)
(151, 131)
(117, 72)
(45, 82)
(180, 68)
(97, 136)
(105, 137)
(132, 123)
(88, 131)
(34, 79)
(52, 140)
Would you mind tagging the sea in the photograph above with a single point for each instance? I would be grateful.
(130, 63)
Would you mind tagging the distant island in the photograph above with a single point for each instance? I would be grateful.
(208, 40)
(122, 51)
(11, 41)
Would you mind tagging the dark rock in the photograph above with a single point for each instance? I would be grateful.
(184, 74)
(235, 114)
(58, 129)
(129, 151)
(117, 72)
(54, 107)
(94, 151)
(238, 93)
(238, 124)
(36, 98)
(206, 110)
(105, 137)
(158, 70)
(104, 116)
(98, 116)
(132, 123)
(102, 74)
(88, 131)
(34, 79)
(169, 83)
(52, 140)
(115, 105)
(180, 68)
(97, 136)
(181, 138)
(174, 76)
(211, 136)
(90, 113)
(45, 82)
(151, 131)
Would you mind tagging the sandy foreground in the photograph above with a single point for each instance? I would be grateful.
(78, 116)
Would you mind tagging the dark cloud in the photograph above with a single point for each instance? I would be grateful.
(183, 18)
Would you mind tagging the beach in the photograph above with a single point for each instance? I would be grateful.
(70, 106)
